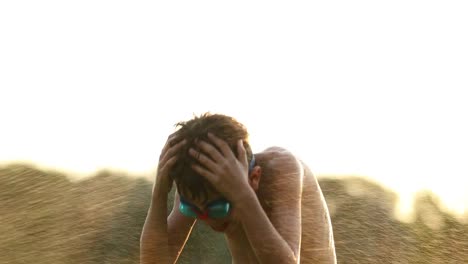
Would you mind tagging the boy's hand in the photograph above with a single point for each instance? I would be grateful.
(166, 160)
(226, 172)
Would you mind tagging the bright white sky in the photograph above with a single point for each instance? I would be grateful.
(372, 88)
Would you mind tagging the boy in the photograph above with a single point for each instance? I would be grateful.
(268, 205)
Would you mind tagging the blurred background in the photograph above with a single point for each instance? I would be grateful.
(370, 95)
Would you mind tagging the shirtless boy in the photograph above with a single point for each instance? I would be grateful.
(268, 205)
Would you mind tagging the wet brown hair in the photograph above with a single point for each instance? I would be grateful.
(222, 126)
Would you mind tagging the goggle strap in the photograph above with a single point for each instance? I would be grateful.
(252, 164)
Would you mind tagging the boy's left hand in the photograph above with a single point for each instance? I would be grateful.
(227, 173)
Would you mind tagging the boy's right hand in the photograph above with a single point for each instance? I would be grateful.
(167, 159)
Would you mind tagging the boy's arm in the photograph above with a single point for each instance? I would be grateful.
(179, 228)
(282, 228)
(163, 237)
(154, 240)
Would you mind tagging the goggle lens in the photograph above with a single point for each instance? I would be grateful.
(216, 210)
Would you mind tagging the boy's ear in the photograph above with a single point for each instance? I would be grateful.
(254, 177)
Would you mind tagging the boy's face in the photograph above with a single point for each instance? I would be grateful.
(215, 211)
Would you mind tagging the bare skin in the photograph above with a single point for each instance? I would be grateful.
(279, 202)
(316, 245)
(155, 246)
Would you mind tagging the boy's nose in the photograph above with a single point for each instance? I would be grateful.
(203, 215)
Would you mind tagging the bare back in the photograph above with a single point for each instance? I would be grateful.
(317, 245)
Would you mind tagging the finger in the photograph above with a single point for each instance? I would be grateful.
(171, 151)
(168, 165)
(222, 145)
(172, 139)
(241, 153)
(211, 150)
(203, 159)
(208, 175)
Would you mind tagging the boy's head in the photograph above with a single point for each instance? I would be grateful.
(188, 182)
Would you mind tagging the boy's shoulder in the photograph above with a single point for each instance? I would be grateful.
(276, 155)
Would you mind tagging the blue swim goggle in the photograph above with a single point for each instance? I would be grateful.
(216, 209)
